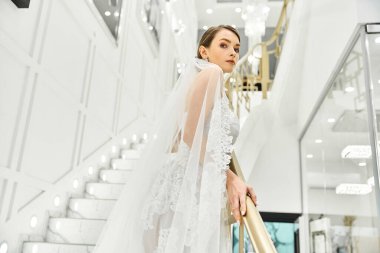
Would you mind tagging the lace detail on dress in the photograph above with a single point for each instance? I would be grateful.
(164, 201)
(165, 190)
(219, 142)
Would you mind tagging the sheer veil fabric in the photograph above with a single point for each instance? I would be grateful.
(175, 200)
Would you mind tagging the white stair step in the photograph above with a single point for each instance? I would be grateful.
(121, 164)
(103, 190)
(130, 154)
(46, 247)
(90, 208)
(74, 231)
(114, 176)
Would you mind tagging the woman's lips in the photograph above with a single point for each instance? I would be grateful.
(232, 62)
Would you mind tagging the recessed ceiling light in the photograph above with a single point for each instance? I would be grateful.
(107, 13)
(209, 11)
(318, 141)
(205, 27)
(238, 10)
(362, 164)
(116, 14)
(331, 120)
(377, 40)
(349, 89)
(353, 189)
(309, 156)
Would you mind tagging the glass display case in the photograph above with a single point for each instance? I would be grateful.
(340, 153)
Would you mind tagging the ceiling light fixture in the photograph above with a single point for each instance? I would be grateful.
(234, 26)
(209, 11)
(107, 13)
(318, 141)
(116, 14)
(309, 156)
(255, 14)
(205, 27)
(330, 120)
(353, 189)
(238, 10)
(362, 164)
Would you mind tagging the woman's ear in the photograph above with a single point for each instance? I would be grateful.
(203, 52)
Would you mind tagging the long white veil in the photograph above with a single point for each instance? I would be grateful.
(175, 200)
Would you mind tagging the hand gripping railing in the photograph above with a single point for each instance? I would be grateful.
(246, 79)
(261, 241)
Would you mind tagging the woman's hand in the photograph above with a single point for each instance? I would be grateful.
(237, 191)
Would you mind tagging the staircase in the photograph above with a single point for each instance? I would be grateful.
(79, 229)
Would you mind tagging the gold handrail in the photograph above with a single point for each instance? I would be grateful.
(252, 221)
(243, 81)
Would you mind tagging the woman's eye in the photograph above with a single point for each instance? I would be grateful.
(237, 50)
(223, 45)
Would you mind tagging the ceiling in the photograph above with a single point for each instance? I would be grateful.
(224, 12)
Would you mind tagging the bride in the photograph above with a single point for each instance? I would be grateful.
(176, 200)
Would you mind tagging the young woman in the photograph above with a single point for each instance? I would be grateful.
(176, 200)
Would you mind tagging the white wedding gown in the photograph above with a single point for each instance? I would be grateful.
(175, 201)
(157, 214)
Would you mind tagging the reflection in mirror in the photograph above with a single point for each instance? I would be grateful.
(110, 12)
(337, 161)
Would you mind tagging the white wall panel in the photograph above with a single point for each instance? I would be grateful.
(23, 196)
(50, 140)
(95, 136)
(128, 108)
(66, 49)
(20, 24)
(103, 92)
(13, 76)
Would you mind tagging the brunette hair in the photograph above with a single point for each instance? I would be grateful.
(209, 35)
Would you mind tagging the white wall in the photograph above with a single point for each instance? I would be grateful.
(68, 92)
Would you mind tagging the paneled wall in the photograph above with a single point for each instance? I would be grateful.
(68, 92)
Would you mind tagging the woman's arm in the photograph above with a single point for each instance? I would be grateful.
(201, 95)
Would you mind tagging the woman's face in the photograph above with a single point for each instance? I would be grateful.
(223, 51)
